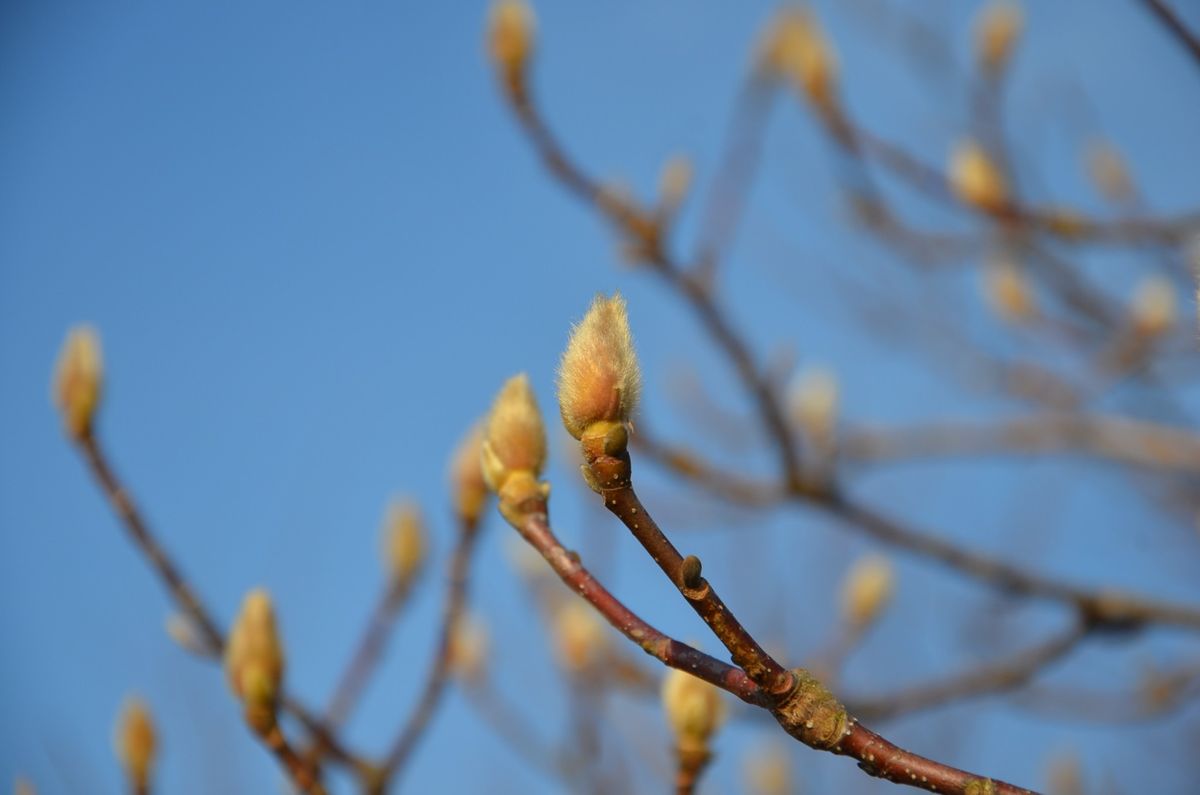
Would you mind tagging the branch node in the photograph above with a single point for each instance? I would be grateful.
(811, 713)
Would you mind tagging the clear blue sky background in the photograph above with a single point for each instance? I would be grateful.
(314, 245)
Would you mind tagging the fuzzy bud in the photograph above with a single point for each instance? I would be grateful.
(254, 659)
(813, 400)
(598, 378)
(694, 709)
(514, 439)
(998, 27)
(468, 648)
(796, 49)
(511, 30)
(78, 379)
(1153, 307)
(581, 636)
(1007, 291)
(403, 540)
(975, 179)
(467, 485)
(134, 742)
(866, 590)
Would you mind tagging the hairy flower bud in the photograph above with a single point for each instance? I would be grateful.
(598, 378)
(796, 49)
(467, 485)
(813, 400)
(581, 636)
(511, 29)
(78, 379)
(134, 742)
(975, 179)
(694, 709)
(254, 659)
(1008, 292)
(996, 31)
(403, 540)
(468, 648)
(1153, 307)
(866, 590)
(514, 439)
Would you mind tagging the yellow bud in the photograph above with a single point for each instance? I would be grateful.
(769, 770)
(78, 379)
(694, 709)
(975, 179)
(796, 49)
(582, 638)
(996, 31)
(1153, 308)
(511, 29)
(598, 377)
(866, 590)
(468, 648)
(254, 659)
(403, 540)
(467, 485)
(1007, 291)
(514, 439)
(134, 742)
(675, 181)
(1107, 170)
(813, 399)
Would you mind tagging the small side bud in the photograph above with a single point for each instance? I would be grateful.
(467, 485)
(813, 399)
(694, 709)
(254, 660)
(581, 636)
(1107, 170)
(135, 743)
(78, 380)
(514, 439)
(1008, 292)
(1153, 307)
(674, 182)
(185, 633)
(468, 648)
(866, 591)
(403, 540)
(511, 31)
(998, 27)
(598, 378)
(796, 49)
(975, 179)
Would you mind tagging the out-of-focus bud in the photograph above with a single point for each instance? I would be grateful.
(975, 179)
(254, 660)
(598, 378)
(581, 637)
(769, 770)
(1108, 172)
(796, 49)
(1064, 775)
(514, 439)
(134, 742)
(998, 27)
(1007, 291)
(674, 182)
(403, 540)
(185, 633)
(511, 31)
(24, 786)
(467, 485)
(1153, 307)
(78, 379)
(813, 399)
(468, 648)
(694, 709)
(866, 591)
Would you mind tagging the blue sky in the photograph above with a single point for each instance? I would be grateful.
(314, 245)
